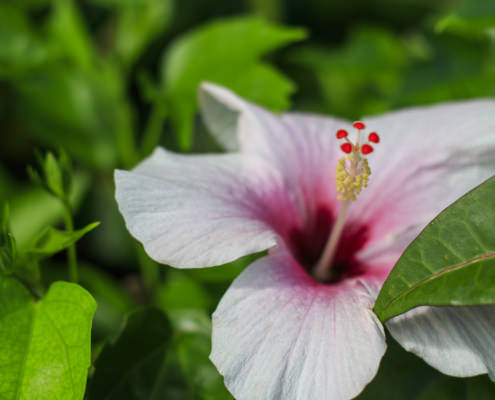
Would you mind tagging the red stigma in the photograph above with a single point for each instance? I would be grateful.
(341, 133)
(358, 125)
(346, 147)
(366, 149)
(373, 137)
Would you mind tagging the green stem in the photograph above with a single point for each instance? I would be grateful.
(71, 250)
(38, 286)
(153, 130)
(149, 269)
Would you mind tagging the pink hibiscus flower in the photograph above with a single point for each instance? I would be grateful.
(283, 330)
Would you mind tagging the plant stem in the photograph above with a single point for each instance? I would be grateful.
(149, 269)
(71, 250)
(152, 133)
(38, 286)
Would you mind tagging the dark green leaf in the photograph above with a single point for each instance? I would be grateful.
(21, 49)
(227, 52)
(180, 291)
(360, 77)
(193, 346)
(130, 368)
(452, 262)
(453, 68)
(52, 240)
(45, 345)
(78, 110)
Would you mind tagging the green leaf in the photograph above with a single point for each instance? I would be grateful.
(45, 345)
(68, 31)
(452, 262)
(131, 367)
(52, 241)
(473, 18)
(454, 68)
(67, 107)
(21, 49)
(180, 291)
(226, 52)
(192, 347)
(113, 301)
(361, 77)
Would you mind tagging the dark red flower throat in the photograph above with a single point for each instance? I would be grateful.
(307, 245)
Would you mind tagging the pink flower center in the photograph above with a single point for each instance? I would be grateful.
(307, 245)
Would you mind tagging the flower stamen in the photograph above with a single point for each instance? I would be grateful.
(352, 176)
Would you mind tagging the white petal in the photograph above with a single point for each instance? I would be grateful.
(221, 110)
(458, 341)
(302, 148)
(279, 335)
(427, 158)
(197, 211)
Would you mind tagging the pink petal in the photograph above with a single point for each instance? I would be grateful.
(197, 211)
(302, 148)
(279, 335)
(426, 159)
(458, 341)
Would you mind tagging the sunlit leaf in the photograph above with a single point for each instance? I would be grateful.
(45, 345)
(452, 262)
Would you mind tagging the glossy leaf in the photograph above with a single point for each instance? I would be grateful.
(452, 262)
(227, 52)
(131, 367)
(45, 345)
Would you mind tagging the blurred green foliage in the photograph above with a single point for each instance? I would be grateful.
(108, 80)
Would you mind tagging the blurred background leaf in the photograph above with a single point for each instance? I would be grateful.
(470, 18)
(226, 52)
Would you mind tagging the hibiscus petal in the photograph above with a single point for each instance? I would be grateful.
(197, 211)
(303, 149)
(458, 341)
(277, 334)
(427, 158)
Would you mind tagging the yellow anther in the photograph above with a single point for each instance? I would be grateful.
(352, 176)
